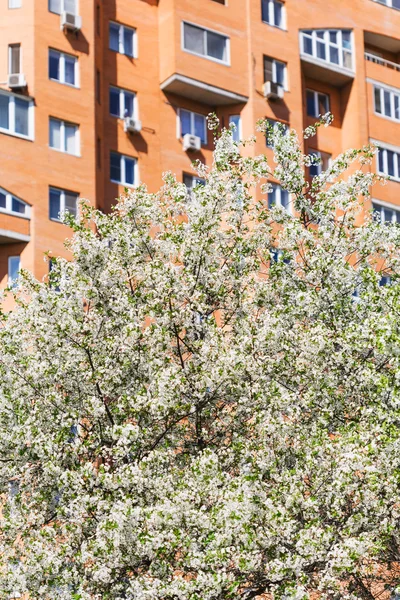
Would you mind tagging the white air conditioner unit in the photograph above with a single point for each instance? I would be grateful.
(71, 21)
(273, 91)
(132, 125)
(191, 142)
(16, 80)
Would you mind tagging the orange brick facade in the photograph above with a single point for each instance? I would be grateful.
(165, 78)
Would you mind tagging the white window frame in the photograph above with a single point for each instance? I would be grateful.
(122, 158)
(237, 134)
(8, 209)
(226, 62)
(62, 56)
(325, 160)
(11, 116)
(121, 49)
(62, 137)
(192, 128)
(388, 3)
(278, 190)
(10, 281)
(62, 8)
(10, 47)
(271, 14)
(14, 4)
(381, 205)
(382, 89)
(316, 103)
(326, 41)
(122, 92)
(62, 202)
(384, 149)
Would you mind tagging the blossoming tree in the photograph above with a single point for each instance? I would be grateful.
(204, 402)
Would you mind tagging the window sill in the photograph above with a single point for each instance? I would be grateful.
(64, 152)
(3, 211)
(216, 60)
(71, 85)
(18, 135)
(275, 26)
(125, 185)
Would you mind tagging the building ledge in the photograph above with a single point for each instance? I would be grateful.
(12, 237)
(324, 71)
(200, 91)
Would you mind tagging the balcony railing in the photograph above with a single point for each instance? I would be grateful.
(382, 61)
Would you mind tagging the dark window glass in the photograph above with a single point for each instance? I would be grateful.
(21, 116)
(380, 162)
(311, 104)
(377, 95)
(390, 162)
(129, 171)
(2, 200)
(216, 45)
(54, 203)
(17, 206)
(114, 37)
(115, 167)
(70, 202)
(4, 118)
(54, 65)
(128, 41)
(386, 102)
(114, 102)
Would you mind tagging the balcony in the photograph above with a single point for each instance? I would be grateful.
(182, 85)
(14, 229)
(327, 55)
(15, 217)
(381, 61)
(207, 63)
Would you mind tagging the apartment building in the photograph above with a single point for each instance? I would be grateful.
(98, 95)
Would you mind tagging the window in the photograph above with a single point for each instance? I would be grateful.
(14, 266)
(64, 136)
(16, 115)
(14, 59)
(385, 280)
(389, 163)
(275, 71)
(333, 46)
(122, 169)
(391, 3)
(61, 201)
(387, 103)
(193, 123)
(385, 214)
(14, 3)
(279, 197)
(59, 6)
(122, 103)
(13, 205)
(63, 67)
(191, 181)
(276, 125)
(123, 39)
(317, 103)
(322, 165)
(206, 43)
(237, 132)
(273, 13)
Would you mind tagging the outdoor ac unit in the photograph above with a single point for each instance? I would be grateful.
(16, 80)
(71, 21)
(273, 91)
(132, 125)
(191, 142)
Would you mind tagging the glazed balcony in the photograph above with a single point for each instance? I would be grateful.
(327, 55)
(206, 62)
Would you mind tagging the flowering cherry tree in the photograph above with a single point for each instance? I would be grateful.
(204, 402)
